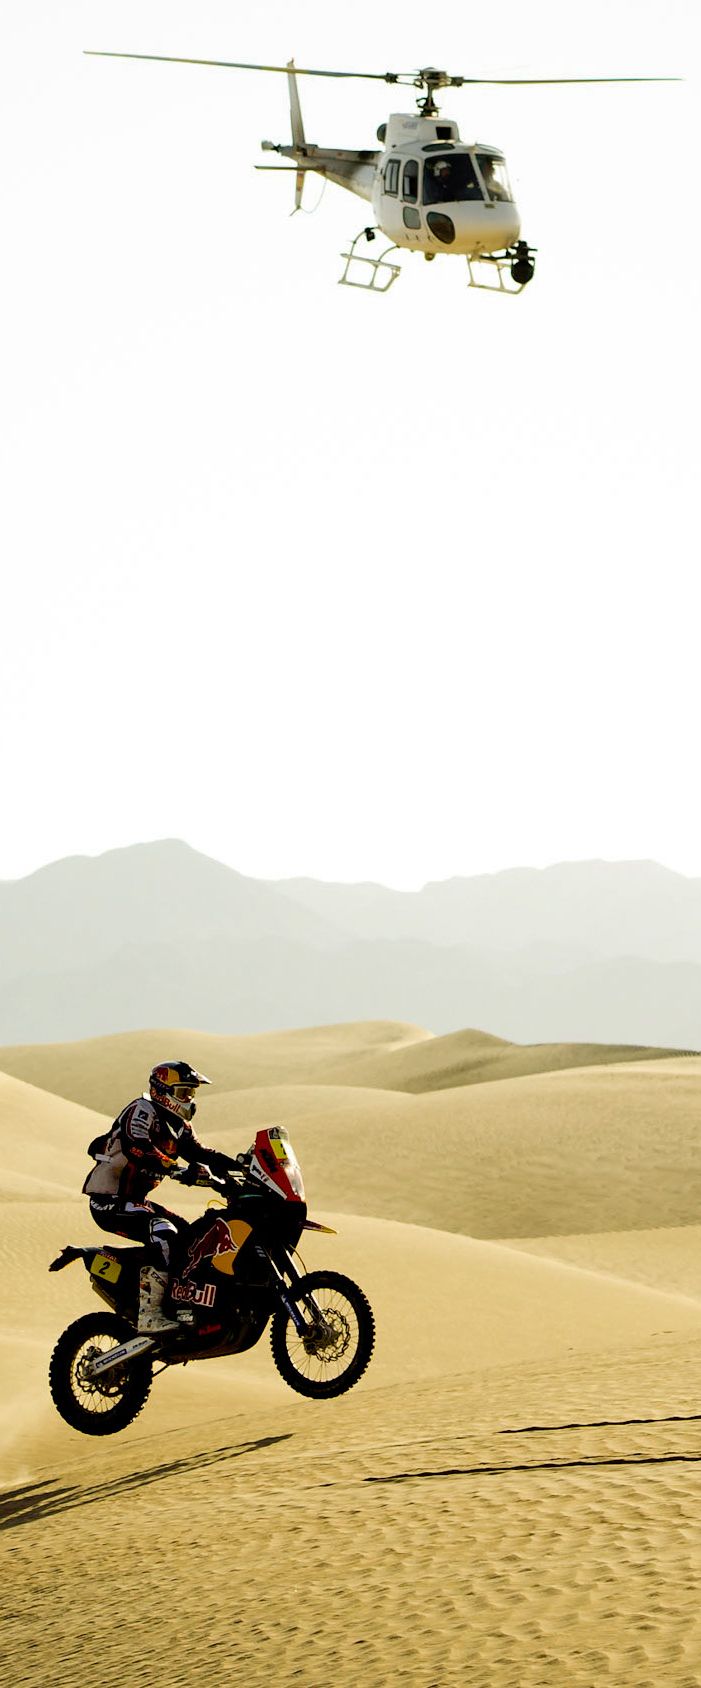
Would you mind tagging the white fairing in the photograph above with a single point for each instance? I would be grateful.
(436, 194)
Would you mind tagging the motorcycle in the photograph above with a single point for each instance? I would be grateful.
(235, 1272)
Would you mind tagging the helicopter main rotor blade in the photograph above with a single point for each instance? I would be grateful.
(233, 64)
(549, 81)
(407, 78)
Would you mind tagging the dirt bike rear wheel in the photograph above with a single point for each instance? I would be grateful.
(97, 1406)
(334, 1353)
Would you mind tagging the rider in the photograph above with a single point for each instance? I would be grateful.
(145, 1140)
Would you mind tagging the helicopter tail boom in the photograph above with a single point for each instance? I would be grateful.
(353, 170)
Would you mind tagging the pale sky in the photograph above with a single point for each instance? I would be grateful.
(327, 584)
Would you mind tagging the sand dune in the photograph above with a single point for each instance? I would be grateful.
(470, 1057)
(100, 1072)
(510, 1497)
(384, 1054)
(43, 1137)
(667, 1258)
(602, 1148)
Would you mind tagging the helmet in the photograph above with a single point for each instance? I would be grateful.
(173, 1084)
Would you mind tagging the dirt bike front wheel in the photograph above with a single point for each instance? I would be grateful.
(333, 1352)
(98, 1406)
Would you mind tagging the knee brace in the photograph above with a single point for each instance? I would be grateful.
(163, 1235)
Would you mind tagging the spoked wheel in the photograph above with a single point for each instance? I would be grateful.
(97, 1405)
(338, 1342)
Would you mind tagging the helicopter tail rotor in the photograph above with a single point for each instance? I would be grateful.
(298, 139)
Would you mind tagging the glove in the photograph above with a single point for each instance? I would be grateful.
(195, 1173)
(220, 1163)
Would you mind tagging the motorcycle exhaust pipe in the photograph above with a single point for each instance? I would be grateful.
(115, 1357)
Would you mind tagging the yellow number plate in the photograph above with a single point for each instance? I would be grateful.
(103, 1267)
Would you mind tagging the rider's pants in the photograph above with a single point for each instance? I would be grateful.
(145, 1222)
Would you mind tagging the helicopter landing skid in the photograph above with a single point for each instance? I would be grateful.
(501, 265)
(381, 274)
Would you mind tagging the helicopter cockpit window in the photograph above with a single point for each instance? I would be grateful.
(410, 181)
(448, 177)
(392, 176)
(494, 176)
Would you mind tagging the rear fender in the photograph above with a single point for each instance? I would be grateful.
(111, 1272)
(68, 1255)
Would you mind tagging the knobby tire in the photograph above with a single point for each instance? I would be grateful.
(97, 1410)
(350, 1317)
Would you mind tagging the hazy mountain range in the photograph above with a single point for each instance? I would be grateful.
(158, 934)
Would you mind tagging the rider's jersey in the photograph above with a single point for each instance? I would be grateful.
(135, 1154)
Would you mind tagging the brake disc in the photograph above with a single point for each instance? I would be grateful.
(329, 1338)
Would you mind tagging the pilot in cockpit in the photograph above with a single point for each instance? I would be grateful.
(440, 171)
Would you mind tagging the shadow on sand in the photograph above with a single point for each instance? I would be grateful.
(35, 1501)
(598, 1424)
(540, 1465)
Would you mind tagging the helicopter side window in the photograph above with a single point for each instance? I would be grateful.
(410, 181)
(494, 176)
(448, 177)
(392, 176)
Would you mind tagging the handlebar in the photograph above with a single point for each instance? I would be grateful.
(208, 1179)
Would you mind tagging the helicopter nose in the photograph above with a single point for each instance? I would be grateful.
(486, 228)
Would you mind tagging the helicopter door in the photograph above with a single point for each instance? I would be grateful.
(411, 216)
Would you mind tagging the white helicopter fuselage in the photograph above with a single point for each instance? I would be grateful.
(429, 191)
(433, 193)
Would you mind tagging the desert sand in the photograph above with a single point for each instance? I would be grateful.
(511, 1494)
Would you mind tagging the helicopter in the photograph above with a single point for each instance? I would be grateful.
(430, 192)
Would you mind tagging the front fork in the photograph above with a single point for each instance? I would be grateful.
(283, 1294)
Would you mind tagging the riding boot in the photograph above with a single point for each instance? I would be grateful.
(152, 1288)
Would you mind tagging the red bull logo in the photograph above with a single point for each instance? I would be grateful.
(216, 1240)
(203, 1297)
